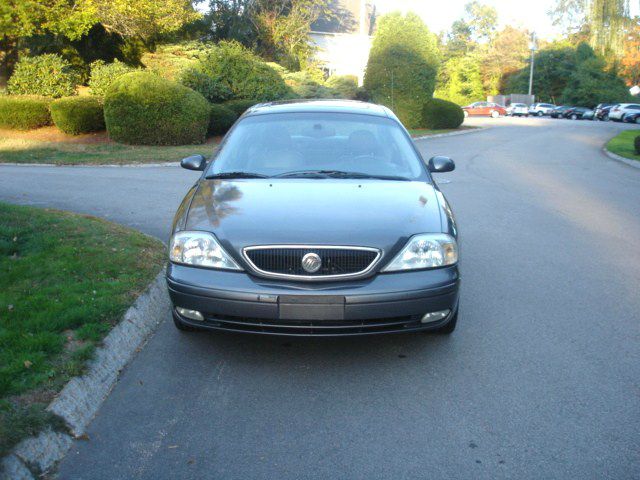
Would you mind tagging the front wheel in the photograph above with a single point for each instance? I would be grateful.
(574, 117)
(540, 114)
(495, 114)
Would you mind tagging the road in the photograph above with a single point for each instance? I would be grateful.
(541, 379)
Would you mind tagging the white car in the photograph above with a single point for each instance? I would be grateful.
(518, 110)
(541, 109)
(618, 111)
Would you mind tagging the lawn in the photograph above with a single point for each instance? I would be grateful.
(622, 144)
(66, 280)
(47, 145)
(419, 132)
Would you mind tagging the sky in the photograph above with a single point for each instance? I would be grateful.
(439, 14)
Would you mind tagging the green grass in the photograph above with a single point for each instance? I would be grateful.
(66, 280)
(622, 144)
(21, 150)
(419, 132)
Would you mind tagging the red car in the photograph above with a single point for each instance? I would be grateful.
(484, 108)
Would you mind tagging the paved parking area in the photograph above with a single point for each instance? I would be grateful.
(540, 380)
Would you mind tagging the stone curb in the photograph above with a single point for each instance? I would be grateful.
(82, 396)
(452, 134)
(615, 156)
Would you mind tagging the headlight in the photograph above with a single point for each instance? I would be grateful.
(428, 250)
(200, 249)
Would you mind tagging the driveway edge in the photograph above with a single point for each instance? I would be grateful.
(452, 134)
(620, 158)
(82, 396)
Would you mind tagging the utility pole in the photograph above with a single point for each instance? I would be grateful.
(533, 46)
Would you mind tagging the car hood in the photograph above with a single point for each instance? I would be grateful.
(372, 213)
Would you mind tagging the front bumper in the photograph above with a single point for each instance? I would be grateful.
(384, 303)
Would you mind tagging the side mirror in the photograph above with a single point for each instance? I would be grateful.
(441, 164)
(194, 162)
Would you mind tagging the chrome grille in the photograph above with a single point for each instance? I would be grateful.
(286, 261)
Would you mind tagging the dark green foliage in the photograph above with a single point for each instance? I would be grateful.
(48, 75)
(170, 60)
(76, 115)
(142, 108)
(221, 119)
(304, 84)
(439, 114)
(636, 144)
(24, 112)
(344, 86)
(591, 83)
(245, 74)
(239, 106)
(402, 67)
(210, 88)
(104, 74)
(362, 94)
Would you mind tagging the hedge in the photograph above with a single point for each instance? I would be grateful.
(438, 114)
(636, 144)
(240, 106)
(141, 108)
(76, 115)
(104, 74)
(210, 88)
(24, 112)
(48, 75)
(344, 86)
(221, 119)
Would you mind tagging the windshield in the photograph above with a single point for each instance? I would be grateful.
(278, 144)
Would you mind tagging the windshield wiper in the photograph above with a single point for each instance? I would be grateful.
(235, 175)
(337, 174)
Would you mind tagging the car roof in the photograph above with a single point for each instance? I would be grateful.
(324, 106)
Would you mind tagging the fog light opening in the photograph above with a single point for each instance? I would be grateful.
(192, 314)
(435, 316)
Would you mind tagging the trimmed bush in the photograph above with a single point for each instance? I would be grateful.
(48, 75)
(104, 74)
(636, 144)
(76, 115)
(344, 86)
(24, 112)
(239, 106)
(170, 60)
(221, 119)
(244, 73)
(210, 88)
(438, 114)
(142, 108)
(402, 66)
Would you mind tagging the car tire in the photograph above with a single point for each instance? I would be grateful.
(606, 118)
(495, 114)
(540, 113)
(574, 117)
(183, 327)
(638, 120)
(449, 327)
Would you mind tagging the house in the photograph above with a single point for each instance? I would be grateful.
(343, 39)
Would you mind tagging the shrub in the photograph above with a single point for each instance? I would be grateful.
(145, 109)
(438, 114)
(304, 85)
(636, 144)
(239, 106)
(244, 73)
(76, 115)
(104, 74)
(210, 88)
(24, 112)
(221, 119)
(362, 94)
(402, 67)
(344, 86)
(170, 60)
(48, 75)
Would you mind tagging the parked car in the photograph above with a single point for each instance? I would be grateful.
(589, 114)
(315, 218)
(484, 108)
(631, 117)
(558, 112)
(600, 110)
(617, 112)
(541, 109)
(518, 110)
(575, 113)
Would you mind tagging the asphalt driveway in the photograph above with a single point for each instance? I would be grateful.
(541, 379)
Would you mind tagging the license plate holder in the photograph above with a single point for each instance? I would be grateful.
(311, 307)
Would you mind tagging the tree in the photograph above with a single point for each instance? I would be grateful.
(459, 39)
(592, 83)
(482, 19)
(505, 54)
(630, 61)
(403, 65)
(460, 80)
